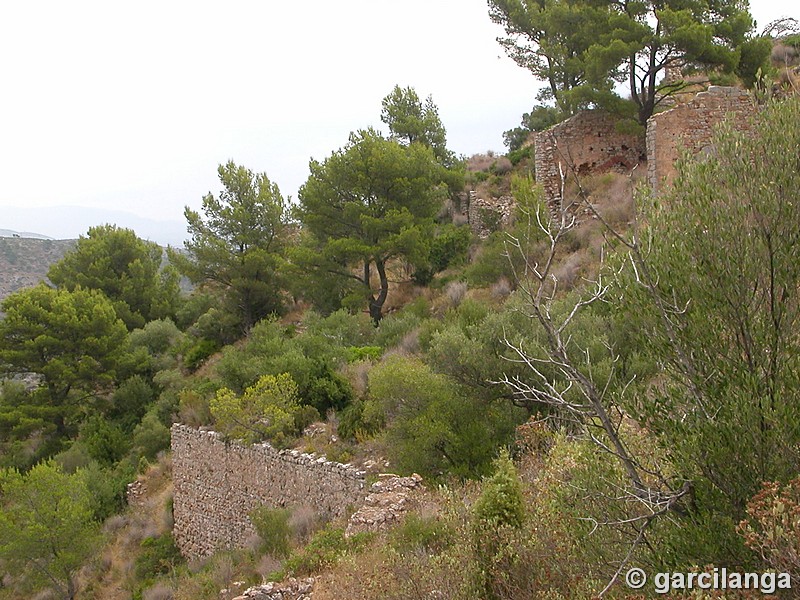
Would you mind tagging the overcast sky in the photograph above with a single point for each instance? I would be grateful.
(133, 106)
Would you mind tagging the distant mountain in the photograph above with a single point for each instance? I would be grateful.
(24, 261)
(22, 234)
(69, 222)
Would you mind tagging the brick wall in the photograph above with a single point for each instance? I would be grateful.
(586, 143)
(217, 484)
(689, 126)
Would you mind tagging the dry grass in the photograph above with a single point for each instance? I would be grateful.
(159, 591)
(456, 291)
(410, 342)
(480, 162)
(569, 270)
(356, 375)
(785, 56)
(501, 289)
(460, 219)
(112, 574)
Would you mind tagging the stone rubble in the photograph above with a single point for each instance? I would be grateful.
(291, 589)
(388, 501)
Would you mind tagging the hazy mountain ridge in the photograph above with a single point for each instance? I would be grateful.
(24, 261)
(4, 233)
(68, 222)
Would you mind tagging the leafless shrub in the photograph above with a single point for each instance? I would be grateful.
(410, 342)
(159, 591)
(501, 289)
(480, 162)
(115, 523)
(579, 237)
(619, 214)
(167, 518)
(138, 531)
(198, 564)
(447, 210)
(266, 565)
(501, 166)
(459, 219)
(456, 291)
(784, 56)
(224, 571)
(303, 522)
(356, 374)
(252, 542)
(568, 271)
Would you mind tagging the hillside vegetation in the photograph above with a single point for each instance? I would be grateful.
(24, 261)
(583, 391)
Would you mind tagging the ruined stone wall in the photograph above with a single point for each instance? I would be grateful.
(489, 214)
(217, 484)
(689, 126)
(587, 143)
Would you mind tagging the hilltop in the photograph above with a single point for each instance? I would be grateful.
(24, 261)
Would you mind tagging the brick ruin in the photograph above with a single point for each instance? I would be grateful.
(218, 483)
(689, 127)
(589, 142)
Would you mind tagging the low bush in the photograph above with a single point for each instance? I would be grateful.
(274, 532)
(325, 549)
(159, 556)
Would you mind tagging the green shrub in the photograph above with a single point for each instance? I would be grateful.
(305, 416)
(156, 336)
(130, 401)
(151, 436)
(353, 427)
(325, 549)
(309, 358)
(520, 154)
(340, 328)
(429, 534)
(198, 353)
(108, 488)
(272, 527)
(497, 516)
(449, 247)
(351, 422)
(105, 442)
(433, 425)
(501, 502)
(359, 353)
(159, 556)
(393, 328)
(194, 409)
(266, 410)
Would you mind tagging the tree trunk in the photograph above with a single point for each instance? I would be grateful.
(376, 303)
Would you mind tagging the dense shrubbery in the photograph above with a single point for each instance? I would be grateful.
(694, 354)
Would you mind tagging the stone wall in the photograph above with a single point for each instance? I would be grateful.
(489, 214)
(586, 143)
(218, 483)
(689, 126)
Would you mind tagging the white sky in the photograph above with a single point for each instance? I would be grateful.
(132, 106)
